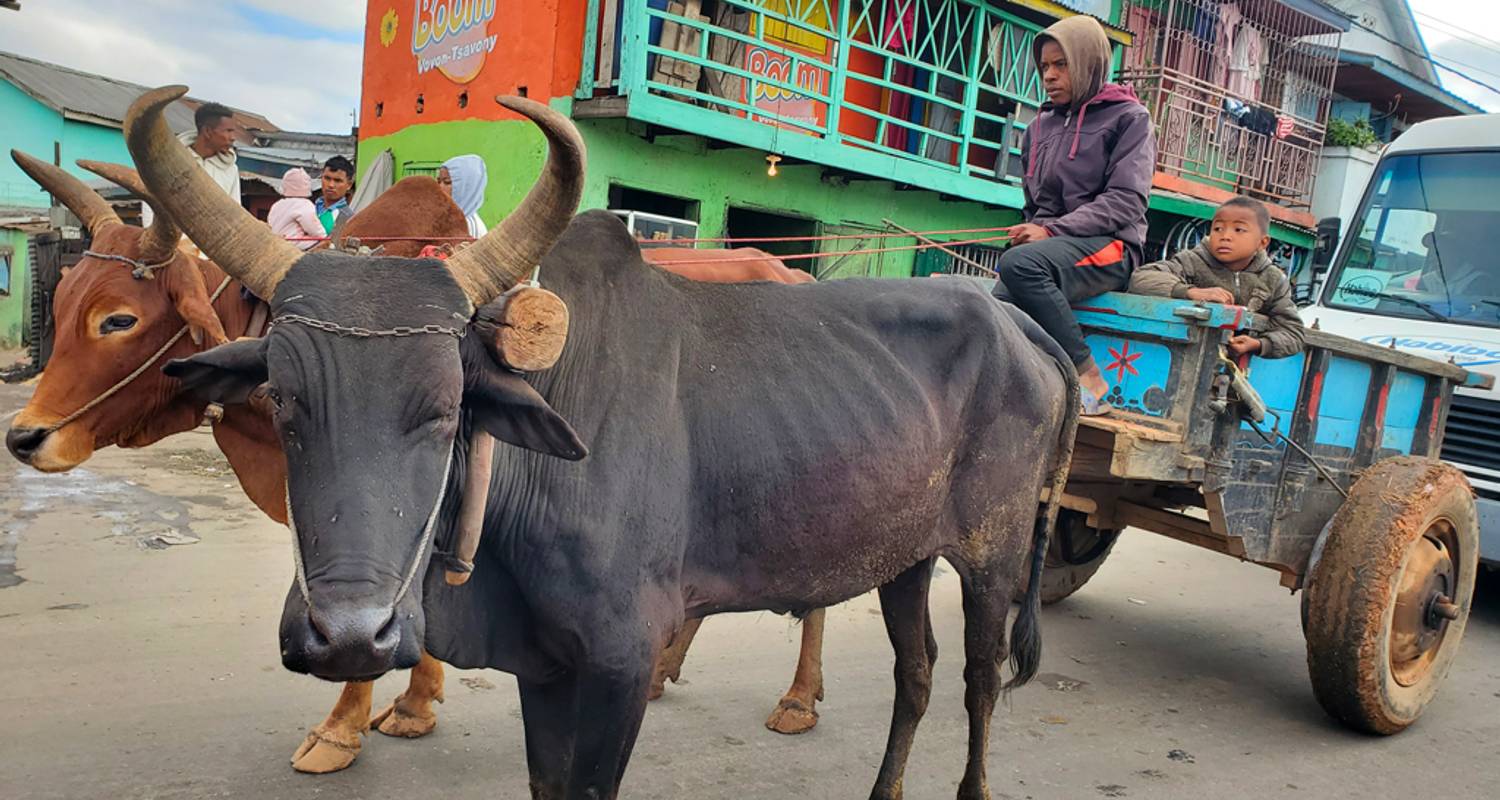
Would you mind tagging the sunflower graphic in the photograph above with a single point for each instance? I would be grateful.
(388, 25)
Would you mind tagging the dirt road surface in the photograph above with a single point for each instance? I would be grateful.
(139, 598)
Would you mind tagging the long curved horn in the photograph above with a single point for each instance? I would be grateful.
(240, 244)
(71, 192)
(159, 240)
(505, 255)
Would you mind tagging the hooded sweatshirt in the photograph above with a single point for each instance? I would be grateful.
(1089, 165)
(1259, 287)
(469, 178)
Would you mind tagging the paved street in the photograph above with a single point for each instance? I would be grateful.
(138, 606)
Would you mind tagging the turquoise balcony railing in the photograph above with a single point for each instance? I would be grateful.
(932, 93)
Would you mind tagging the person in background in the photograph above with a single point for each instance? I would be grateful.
(293, 216)
(333, 198)
(1089, 159)
(464, 179)
(212, 145)
(1231, 266)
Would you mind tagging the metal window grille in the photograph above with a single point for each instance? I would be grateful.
(428, 168)
(947, 84)
(1240, 91)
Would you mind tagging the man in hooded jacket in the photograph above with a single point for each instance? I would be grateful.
(1089, 158)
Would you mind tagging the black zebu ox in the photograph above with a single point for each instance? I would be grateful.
(754, 446)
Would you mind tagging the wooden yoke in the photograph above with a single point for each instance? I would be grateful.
(471, 508)
(524, 330)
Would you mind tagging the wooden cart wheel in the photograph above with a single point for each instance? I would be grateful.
(1388, 601)
(1074, 553)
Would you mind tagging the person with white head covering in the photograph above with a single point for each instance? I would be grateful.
(464, 179)
(293, 216)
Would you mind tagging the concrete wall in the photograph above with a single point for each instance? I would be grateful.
(33, 128)
(15, 307)
(1392, 21)
(1343, 173)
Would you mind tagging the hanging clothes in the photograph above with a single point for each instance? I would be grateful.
(1246, 63)
(899, 29)
(1229, 18)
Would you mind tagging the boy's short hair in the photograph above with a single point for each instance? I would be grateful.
(1256, 207)
(209, 114)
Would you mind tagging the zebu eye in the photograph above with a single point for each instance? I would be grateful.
(115, 323)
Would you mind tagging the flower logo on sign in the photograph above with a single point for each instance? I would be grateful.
(388, 25)
(452, 37)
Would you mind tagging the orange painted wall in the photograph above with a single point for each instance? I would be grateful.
(537, 47)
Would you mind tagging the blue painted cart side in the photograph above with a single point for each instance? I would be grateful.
(1179, 441)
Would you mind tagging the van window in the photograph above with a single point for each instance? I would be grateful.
(1425, 242)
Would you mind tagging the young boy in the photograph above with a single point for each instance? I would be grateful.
(1231, 266)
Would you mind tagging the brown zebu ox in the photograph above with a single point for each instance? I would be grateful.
(113, 317)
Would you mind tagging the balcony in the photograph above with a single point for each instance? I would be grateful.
(904, 90)
(1240, 98)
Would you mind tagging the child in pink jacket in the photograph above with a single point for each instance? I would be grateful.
(293, 216)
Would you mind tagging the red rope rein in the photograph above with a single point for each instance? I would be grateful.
(737, 239)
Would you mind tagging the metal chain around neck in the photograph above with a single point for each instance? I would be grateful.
(358, 332)
(139, 269)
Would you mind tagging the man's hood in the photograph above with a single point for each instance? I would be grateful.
(1086, 47)
(1114, 93)
(228, 159)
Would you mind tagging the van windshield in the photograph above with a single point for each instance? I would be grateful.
(1427, 241)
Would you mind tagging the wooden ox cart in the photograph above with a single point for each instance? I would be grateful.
(1322, 466)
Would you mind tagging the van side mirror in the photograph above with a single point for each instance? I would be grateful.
(1327, 243)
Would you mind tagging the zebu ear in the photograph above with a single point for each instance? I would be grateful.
(191, 299)
(226, 374)
(505, 406)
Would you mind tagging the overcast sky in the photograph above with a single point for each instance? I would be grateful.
(1466, 31)
(295, 61)
(298, 61)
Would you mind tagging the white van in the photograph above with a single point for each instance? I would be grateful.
(1419, 269)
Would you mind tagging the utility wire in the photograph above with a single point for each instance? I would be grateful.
(1428, 57)
(1458, 32)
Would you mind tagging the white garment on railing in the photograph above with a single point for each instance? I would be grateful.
(1246, 63)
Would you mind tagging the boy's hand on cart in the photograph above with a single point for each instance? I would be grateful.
(1243, 345)
(1211, 295)
(1027, 232)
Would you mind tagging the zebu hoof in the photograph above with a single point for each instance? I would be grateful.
(656, 691)
(792, 716)
(395, 720)
(326, 750)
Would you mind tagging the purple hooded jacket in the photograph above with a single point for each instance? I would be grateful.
(1089, 166)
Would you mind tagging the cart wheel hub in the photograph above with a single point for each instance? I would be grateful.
(1424, 606)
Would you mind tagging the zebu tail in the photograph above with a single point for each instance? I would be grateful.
(1026, 633)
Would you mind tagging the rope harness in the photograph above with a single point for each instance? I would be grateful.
(138, 371)
(140, 269)
(431, 524)
(416, 559)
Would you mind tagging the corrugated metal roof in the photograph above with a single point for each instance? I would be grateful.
(94, 98)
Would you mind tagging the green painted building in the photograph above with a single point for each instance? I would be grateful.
(58, 115)
(805, 118)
